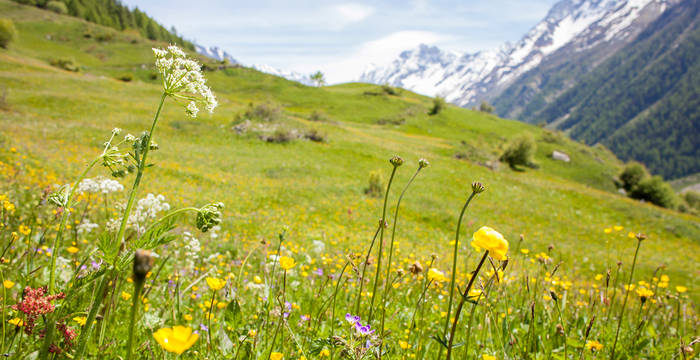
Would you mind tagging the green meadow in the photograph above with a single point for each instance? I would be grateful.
(55, 120)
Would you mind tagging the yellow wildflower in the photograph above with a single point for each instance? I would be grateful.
(593, 345)
(618, 227)
(8, 284)
(25, 230)
(276, 356)
(287, 263)
(325, 352)
(681, 289)
(215, 283)
(176, 339)
(488, 357)
(16, 321)
(72, 249)
(436, 275)
(404, 345)
(126, 295)
(491, 240)
(80, 320)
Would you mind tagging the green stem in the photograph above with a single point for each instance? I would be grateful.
(61, 227)
(381, 245)
(335, 295)
(87, 329)
(138, 286)
(624, 302)
(391, 253)
(364, 270)
(461, 304)
(211, 308)
(454, 264)
(139, 174)
(561, 321)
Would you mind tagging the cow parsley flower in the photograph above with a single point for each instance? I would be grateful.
(183, 79)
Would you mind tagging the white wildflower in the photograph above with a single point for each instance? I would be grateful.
(183, 79)
(86, 227)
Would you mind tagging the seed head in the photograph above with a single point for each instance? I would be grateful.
(641, 236)
(143, 262)
(477, 187)
(423, 163)
(396, 161)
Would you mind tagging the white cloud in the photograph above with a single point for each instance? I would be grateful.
(351, 13)
(377, 51)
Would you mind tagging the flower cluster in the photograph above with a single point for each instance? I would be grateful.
(34, 304)
(99, 186)
(183, 79)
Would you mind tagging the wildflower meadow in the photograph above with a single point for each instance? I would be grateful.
(97, 268)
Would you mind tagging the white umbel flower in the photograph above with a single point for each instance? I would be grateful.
(183, 79)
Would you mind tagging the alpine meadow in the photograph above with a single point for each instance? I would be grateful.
(156, 203)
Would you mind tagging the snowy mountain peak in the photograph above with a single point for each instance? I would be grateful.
(215, 53)
(572, 25)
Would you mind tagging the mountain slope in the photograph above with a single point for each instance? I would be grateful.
(570, 27)
(643, 102)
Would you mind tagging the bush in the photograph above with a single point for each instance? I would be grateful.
(486, 107)
(315, 136)
(632, 175)
(126, 77)
(280, 136)
(375, 188)
(266, 112)
(656, 191)
(8, 32)
(520, 151)
(65, 64)
(318, 116)
(439, 105)
(692, 198)
(389, 90)
(57, 6)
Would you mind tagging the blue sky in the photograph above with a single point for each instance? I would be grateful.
(341, 37)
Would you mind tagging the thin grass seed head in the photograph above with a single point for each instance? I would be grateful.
(183, 79)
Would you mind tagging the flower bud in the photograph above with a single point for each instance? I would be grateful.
(423, 163)
(477, 187)
(640, 236)
(143, 262)
(416, 268)
(396, 161)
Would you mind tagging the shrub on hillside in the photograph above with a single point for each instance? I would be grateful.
(8, 32)
(57, 6)
(315, 136)
(486, 107)
(317, 115)
(126, 77)
(439, 105)
(656, 191)
(692, 198)
(375, 188)
(266, 112)
(520, 151)
(65, 64)
(632, 175)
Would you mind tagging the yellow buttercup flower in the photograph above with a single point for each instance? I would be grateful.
(72, 249)
(8, 284)
(681, 289)
(215, 283)
(325, 352)
(276, 356)
(489, 239)
(287, 263)
(404, 345)
(618, 227)
(436, 275)
(176, 339)
(16, 321)
(126, 295)
(488, 357)
(80, 320)
(593, 345)
(608, 230)
(25, 230)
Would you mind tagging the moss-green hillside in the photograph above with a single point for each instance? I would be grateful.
(59, 118)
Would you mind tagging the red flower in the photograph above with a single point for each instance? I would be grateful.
(34, 304)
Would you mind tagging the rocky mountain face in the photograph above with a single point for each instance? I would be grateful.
(575, 28)
(215, 53)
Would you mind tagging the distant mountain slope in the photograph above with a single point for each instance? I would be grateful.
(216, 53)
(113, 14)
(570, 27)
(644, 101)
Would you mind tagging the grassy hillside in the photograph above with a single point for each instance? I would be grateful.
(642, 102)
(58, 119)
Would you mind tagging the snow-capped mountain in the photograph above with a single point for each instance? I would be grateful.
(289, 75)
(218, 53)
(571, 25)
(215, 53)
